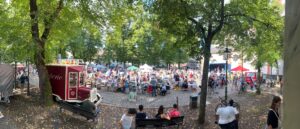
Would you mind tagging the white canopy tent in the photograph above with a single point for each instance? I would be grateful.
(146, 68)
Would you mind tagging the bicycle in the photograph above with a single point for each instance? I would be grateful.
(223, 103)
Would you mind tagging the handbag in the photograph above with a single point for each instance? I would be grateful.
(279, 121)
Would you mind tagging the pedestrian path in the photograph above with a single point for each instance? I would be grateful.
(121, 99)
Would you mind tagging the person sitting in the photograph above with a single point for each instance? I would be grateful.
(163, 89)
(174, 111)
(185, 84)
(122, 84)
(127, 118)
(160, 114)
(141, 114)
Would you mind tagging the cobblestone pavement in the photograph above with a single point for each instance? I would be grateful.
(121, 99)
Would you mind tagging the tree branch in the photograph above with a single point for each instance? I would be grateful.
(192, 20)
(198, 25)
(34, 20)
(249, 17)
(49, 21)
(221, 22)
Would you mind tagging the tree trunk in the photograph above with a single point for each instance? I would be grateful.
(16, 72)
(207, 46)
(28, 84)
(258, 81)
(291, 79)
(271, 76)
(44, 83)
(277, 71)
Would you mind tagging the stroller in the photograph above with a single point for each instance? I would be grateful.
(6, 82)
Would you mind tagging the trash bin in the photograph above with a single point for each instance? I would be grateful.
(193, 101)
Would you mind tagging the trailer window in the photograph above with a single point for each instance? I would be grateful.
(81, 77)
(73, 79)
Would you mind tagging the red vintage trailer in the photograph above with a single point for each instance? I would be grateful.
(67, 81)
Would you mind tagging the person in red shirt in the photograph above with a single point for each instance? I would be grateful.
(174, 111)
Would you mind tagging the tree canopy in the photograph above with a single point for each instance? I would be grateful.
(157, 32)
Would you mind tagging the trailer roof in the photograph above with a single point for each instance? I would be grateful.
(63, 65)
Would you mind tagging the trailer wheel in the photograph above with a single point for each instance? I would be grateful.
(56, 98)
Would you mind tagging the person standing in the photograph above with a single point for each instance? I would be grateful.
(227, 117)
(22, 80)
(153, 83)
(273, 121)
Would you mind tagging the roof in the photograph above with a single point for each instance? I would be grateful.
(63, 65)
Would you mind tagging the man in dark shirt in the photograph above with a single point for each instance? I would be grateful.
(141, 114)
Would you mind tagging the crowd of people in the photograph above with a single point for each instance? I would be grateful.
(154, 82)
(128, 117)
(238, 82)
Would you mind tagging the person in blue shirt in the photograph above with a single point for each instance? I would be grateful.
(153, 83)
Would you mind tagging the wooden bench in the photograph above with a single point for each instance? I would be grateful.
(157, 123)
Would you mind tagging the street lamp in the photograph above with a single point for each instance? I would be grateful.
(226, 52)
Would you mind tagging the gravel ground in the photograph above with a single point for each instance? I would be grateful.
(24, 112)
(121, 100)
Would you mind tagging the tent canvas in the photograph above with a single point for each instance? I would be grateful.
(132, 68)
(6, 81)
(239, 68)
(146, 68)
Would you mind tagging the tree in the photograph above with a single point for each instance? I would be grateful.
(291, 66)
(15, 42)
(259, 38)
(40, 41)
(135, 36)
(85, 45)
(44, 31)
(205, 19)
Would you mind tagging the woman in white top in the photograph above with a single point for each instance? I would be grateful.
(127, 118)
(227, 117)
